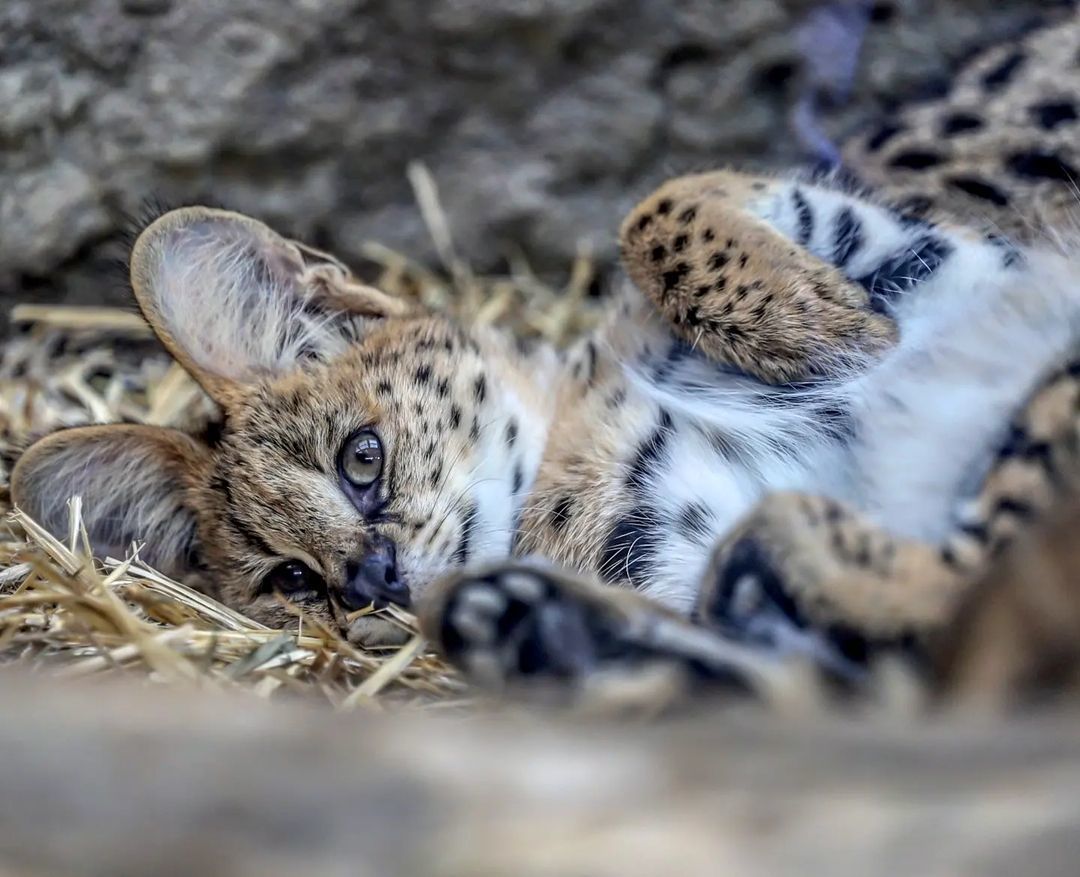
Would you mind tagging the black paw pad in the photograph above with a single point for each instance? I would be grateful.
(519, 624)
(749, 598)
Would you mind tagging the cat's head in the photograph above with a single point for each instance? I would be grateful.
(365, 447)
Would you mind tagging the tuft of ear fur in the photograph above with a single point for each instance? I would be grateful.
(135, 482)
(235, 302)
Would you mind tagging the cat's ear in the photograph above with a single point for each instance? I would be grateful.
(136, 483)
(234, 301)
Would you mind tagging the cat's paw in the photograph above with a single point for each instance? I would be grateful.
(518, 624)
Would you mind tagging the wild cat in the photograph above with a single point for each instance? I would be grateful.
(808, 423)
(808, 417)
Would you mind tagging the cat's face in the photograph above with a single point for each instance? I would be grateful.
(364, 450)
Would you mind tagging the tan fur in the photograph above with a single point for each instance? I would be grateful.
(735, 289)
(1016, 636)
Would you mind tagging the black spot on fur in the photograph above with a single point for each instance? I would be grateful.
(442, 388)
(959, 123)
(1020, 444)
(882, 136)
(948, 557)
(1053, 113)
(383, 388)
(1010, 253)
(643, 221)
(688, 215)
(468, 525)
(519, 480)
(658, 254)
(673, 277)
(1000, 75)
(915, 160)
(1015, 507)
(474, 430)
(692, 522)
(617, 398)
(708, 235)
(805, 216)
(979, 189)
(718, 260)
(480, 389)
(776, 75)
(590, 353)
(650, 455)
(630, 548)
(679, 244)
(882, 13)
(664, 207)
(561, 513)
(455, 417)
(436, 475)
(976, 531)
(511, 433)
(1041, 165)
(847, 237)
(212, 434)
(905, 270)
(423, 374)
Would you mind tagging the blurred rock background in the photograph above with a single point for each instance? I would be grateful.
(541, 120)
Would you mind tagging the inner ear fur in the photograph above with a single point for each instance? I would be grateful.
(136, 483)
(235, 302)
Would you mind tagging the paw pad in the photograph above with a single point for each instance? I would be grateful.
(518, 624)
(749, 598)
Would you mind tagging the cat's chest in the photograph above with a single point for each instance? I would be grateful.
(653, 463)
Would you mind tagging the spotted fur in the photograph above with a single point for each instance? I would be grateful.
(998, 149)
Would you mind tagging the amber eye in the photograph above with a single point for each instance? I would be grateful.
(362, 459)
(291, 577)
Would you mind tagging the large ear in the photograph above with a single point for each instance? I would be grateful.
(234, 301)
(135, 482)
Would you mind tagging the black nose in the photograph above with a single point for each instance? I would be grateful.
(374, 579)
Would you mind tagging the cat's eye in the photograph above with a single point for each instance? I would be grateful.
(290, 578)
(362, 458)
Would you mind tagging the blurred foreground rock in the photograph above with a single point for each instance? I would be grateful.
(542, 120)
(148, 781)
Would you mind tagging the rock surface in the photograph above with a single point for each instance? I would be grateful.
(541, 120)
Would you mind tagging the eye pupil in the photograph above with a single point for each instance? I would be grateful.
(290, 577)
(362, 459)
